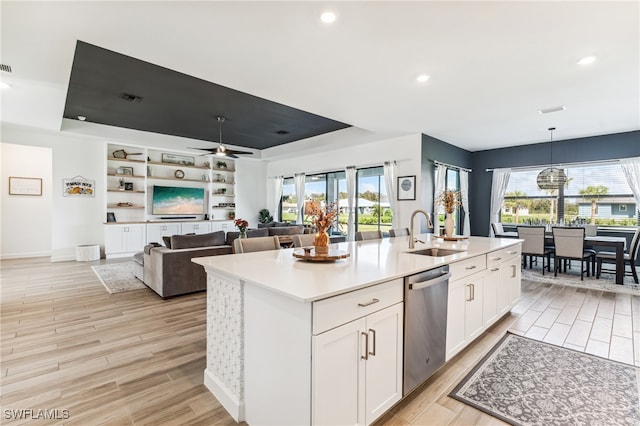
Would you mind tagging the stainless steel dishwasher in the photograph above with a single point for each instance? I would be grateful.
(425, 325)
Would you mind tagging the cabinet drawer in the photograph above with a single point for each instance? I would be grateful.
(338, 310)
(496, 257)
(467, 267)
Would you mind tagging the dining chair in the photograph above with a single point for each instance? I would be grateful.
(398, 232)
(569, 245)
(533, 246)
(303, 240)
(629, 256)
(368, 235)
(248, 245)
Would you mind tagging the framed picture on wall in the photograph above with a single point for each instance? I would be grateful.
(25, 186)
(406, 188)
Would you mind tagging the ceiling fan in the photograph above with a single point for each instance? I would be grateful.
(221, 150)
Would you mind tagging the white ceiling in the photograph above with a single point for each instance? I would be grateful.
(492, 64)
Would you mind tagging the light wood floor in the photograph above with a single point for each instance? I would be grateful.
(133, 358)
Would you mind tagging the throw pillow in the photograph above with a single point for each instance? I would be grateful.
(167, 241)
(193, 241)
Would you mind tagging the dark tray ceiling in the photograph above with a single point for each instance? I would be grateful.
(177, 104)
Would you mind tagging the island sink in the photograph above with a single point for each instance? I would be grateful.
(435, 252)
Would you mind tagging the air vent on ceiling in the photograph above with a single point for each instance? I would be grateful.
(552, 109)
(131, 98)
(5, 68)
(282, 132)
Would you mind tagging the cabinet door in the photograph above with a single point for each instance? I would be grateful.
(338, 379)
(474, 325)
(155, 231)
(113, 239)
(514, 280)
(507, 275)
(490, 290)
(384, 363)
(196, 227)
(134, 238)
(455, 317)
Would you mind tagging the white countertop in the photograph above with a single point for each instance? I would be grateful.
(370, 262)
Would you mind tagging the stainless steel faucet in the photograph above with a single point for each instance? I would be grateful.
(412, 241)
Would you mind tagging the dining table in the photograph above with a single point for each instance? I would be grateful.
(618, 243)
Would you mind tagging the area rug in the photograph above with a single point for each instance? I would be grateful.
(606, 282)
(118, 277)
(528, 382)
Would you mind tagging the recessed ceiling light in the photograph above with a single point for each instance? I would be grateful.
(328, 17)
(587, 60)
(82, 117)
(5, 85)
(422, 78)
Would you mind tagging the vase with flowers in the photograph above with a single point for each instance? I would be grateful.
(449, 200)
(322, 219)
(242, 225)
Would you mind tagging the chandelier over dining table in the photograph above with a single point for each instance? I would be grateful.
(551, 178)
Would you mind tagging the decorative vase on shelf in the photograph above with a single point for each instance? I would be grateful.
(448, 225)
(321, 242)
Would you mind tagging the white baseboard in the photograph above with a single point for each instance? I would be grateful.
(7, 256)
(229, 401)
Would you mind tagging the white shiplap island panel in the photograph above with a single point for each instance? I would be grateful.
(260, 317)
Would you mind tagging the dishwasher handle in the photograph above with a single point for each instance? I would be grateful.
(428, 283)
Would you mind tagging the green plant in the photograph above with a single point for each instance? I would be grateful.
(264, 216)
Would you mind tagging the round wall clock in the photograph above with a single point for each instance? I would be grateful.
(179, 174)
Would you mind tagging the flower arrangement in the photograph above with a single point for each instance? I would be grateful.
(321, 218)
(241, 224)
(449, 200)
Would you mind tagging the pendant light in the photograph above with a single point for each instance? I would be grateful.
(551, 178)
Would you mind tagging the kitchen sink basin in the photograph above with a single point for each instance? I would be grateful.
(435, 252)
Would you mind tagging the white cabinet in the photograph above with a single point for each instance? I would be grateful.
(196, 227)
(155, 231)
(225, 226)
(357, 369)
(464, 312)
(124, 240)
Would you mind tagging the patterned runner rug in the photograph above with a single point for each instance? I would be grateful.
(118, 277)
(527, 382)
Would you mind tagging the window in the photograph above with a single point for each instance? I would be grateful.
(452, 183)
(595, 193)
(372, 210)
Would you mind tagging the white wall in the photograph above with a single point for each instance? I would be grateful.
(25, 227)
(74, 221)
(404, 149)
(250, 194)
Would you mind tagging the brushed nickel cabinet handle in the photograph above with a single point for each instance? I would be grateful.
(373, 334)
(364, 305)
(469, 299)
(471, 267)
(495, 269)
(366, 346)
(497, 258)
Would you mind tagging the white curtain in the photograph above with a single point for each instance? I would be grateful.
(441, 174)
(464, 193)
(277, 196)
(389, 180)
(631, 169)
(350, 173)
(499, 184)
(299, 179)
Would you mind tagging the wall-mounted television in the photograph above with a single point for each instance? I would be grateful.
(177, 200)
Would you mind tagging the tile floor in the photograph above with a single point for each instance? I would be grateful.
(597, 322)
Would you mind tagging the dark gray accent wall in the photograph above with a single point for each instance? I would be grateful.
(605, 147)
(436, 150)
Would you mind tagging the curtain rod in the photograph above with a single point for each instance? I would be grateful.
(581, 163)
(451, 166)
(338, 169)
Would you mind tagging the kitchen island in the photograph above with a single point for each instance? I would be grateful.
(295, 342)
